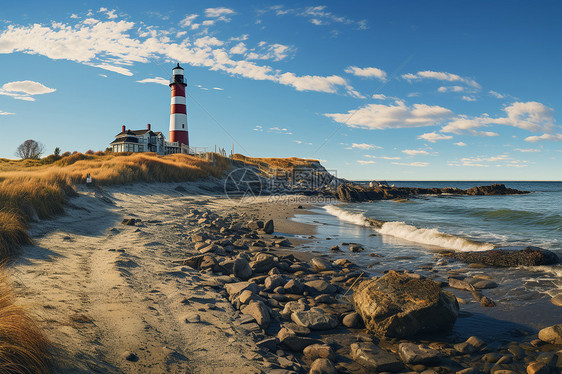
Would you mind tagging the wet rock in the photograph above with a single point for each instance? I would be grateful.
(415, 354)
(551, 334)
(352, 320)
(492, 357)
(320, 264)
(241, 269)
(397, 305)
(356, 248)
(486, 302)
(315, 319)
(314, 351)
(129, 221)
(484, 284)
(260, 312)
(269, 228)
(470, 346)
(374, 358)
(539, 368)
(335, 248)
(322, 366)
(460, 284)
(530, 256)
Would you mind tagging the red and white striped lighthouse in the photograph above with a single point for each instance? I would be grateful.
(178, 108)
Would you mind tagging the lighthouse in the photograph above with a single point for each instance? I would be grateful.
(178, 108)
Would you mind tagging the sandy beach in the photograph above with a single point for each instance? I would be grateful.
(113, 297)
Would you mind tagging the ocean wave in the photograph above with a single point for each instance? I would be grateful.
(524, 216)
(411, 233)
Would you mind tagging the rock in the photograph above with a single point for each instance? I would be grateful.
(356, 248)
(235, 289)
(320, 264)
(274, 281)
(322, 366)
(335, 248)
(538, 368)
(320, 286)
(486, 302)
(418, 354)
(470, 346)
(315, 319)
(492, 357)
(246, 296)
(314, 351)
(297, 329)
(397, 305)
(260, 312)
(289, 340)
(193, 318)
(255, 225)
(263, 263)
(551, 334)
(374, 358)
(460, 284)
(270, 344)
(241, 269)
(130, 356)
(268, 228)
(294, 287)
(557, 300)
(325, 299)
(485, 284)
(129, 221)
(352, 320)
(530, 256)
(294, 306)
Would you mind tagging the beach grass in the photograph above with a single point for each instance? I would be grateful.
(276, 163)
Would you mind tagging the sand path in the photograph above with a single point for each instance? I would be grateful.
(109, 298)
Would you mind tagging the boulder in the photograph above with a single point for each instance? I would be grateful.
(322, 366)
(274, 281)
(315, 319)
(373, 358)
(415, 354)
(397, 305)
(352, 320)
(551, 334)
(291, 341)
(260, 312)
(294, 287)
(530, 256)
(315, 351)
(269, 228)
(320, 286)
(263, 262)
(460, 284)
(320, 264)
(235, 289)
(241, 269)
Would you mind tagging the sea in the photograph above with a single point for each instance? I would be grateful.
(416, 229)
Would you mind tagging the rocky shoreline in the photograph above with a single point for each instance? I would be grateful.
(306, 314)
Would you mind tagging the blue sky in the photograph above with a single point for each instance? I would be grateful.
(404, 90)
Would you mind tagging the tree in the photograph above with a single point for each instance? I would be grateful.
(57, 151)
(30, 149)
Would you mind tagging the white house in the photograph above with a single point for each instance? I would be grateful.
(144, 141)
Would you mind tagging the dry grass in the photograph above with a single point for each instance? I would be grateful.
(23, 348)
(276, 163)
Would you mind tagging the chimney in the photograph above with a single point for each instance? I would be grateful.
(148, 126)
(123, 129)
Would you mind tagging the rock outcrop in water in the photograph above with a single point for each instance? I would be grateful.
(356, 193)
(530, 256)
(400, 305)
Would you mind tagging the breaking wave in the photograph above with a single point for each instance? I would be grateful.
(411, 233)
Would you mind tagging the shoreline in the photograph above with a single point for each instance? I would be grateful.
(87, 272)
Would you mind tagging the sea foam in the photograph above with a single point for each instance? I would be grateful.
(411, 233)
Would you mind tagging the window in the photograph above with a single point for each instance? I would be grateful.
(183, 125)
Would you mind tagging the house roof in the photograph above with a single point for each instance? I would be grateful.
(127, 139)
(138, 132)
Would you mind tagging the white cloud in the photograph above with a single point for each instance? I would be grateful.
(497, 94)
(415, 152)
(383, 157)
(468, 98)
(275, 52)
(188, 21)
(74, 16)
(2, 113)
(461, 144)
(451, 89)
(366, 162)
(417, 164)
(239, 49)
(433, 137)
(364, 146)
(109, 13)
(379, 97)
(553, 137)
(399, 115)
(24, 90)
(218, 88)
(528, 150)
(112, 45)
(218, 12)
(502, 160)
(367, 72)
(442, 76)
(158, 80)
(103, 75)
(413, 94)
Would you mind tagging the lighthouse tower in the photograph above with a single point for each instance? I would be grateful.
(178, 108)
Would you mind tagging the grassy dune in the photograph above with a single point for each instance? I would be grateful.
(275, 163)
